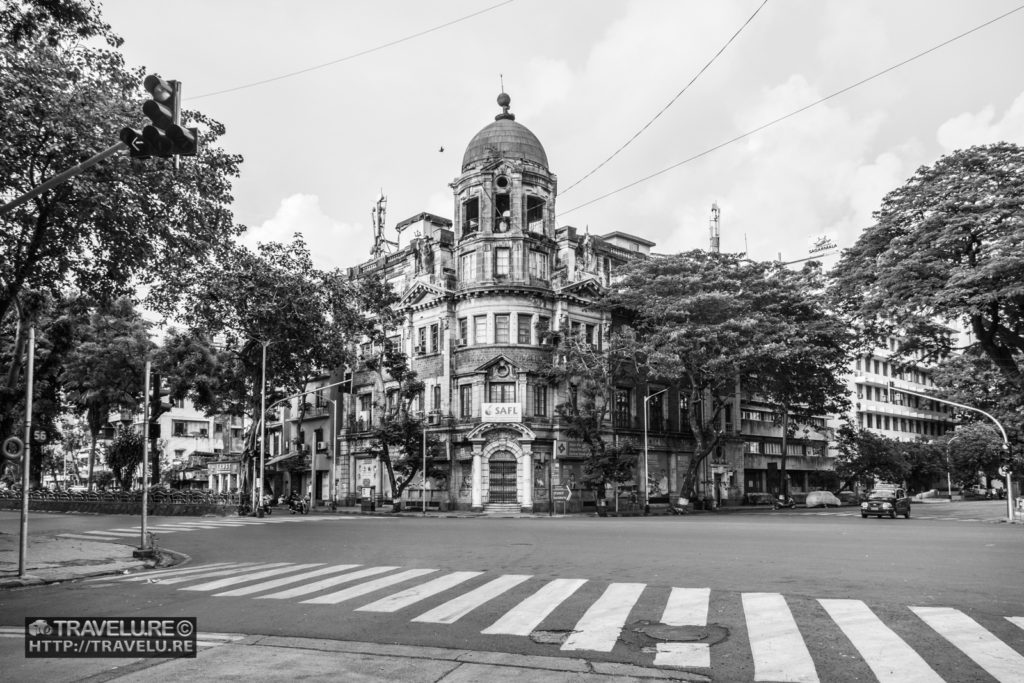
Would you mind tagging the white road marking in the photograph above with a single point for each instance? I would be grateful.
(453, 610)
(993, 655)
(146, 576)
(246, 578)
(368, 587)
(395, 602)
(688, 655)
(219, 572)
(276, 583)
(522, 619)
(685, 607)
(601, 625)
(326, 583)
(779, 651)
(891, 659)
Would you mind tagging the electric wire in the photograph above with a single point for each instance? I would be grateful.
(793, 113)
(671, 102)
(355, 54)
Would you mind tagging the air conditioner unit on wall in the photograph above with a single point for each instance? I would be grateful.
(420, 350)
(321, 445)
(434, 418)
(460, 343)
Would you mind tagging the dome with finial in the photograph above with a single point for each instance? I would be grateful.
(504, 139)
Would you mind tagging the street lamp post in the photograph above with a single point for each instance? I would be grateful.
(1006, 441)
(647, 478)
(949, 479)
(263, 426)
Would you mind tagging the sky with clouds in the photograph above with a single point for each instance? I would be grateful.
(379, 87)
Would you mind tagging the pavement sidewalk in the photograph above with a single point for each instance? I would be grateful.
(50, 559)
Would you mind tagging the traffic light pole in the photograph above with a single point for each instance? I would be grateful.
(61, 177)
(143, 546)
(26, 457)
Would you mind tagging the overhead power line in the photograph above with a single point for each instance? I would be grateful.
(793, 113)
(671, 102)
(355, 54)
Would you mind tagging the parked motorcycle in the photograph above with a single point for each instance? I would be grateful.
(782, 501)
(296, 504)
(265, 505)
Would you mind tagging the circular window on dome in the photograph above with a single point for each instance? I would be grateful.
(502, 182)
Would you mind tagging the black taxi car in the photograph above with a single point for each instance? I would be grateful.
(886, 502)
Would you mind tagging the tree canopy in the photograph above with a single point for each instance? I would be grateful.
(946, 248)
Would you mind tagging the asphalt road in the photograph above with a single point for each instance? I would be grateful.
(807, 558)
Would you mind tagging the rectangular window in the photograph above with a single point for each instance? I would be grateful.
(590, 335)
(422, 337)
(464, 329)
(480, 329)
(534, 214)
(501, 331)
(623, 410)
(436, 404)
(753, 447)
(434, 339)
(502, 392)
(466, 401)
(655, 413)
(502, 212)
(540, 400)
(523, 323)
(467, 267)
(772, 448)
(471, 215)
(502, 261)
(539, 265)
(543, 326)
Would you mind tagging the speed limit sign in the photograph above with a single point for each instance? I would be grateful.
(13, 448)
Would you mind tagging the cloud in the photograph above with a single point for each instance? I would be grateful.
(333, 244)
(981, 128)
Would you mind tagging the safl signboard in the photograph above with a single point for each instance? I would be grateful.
(501, 412)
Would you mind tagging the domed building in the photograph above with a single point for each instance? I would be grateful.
(480, 293)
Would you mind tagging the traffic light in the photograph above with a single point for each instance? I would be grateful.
(157, 403)
(164, 137)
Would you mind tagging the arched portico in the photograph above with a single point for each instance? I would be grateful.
(502, 464)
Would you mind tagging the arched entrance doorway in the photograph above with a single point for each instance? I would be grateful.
(501, 476)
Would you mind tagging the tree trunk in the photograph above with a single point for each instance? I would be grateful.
(92, 460)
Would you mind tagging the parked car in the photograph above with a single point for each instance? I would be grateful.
(822, 499)
(886, 502)
(979, 491)
(848, 497)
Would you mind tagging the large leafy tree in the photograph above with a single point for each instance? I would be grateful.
(124, 455)
(271, 299)
(590, 377)
(707, 321)
(66, 93)
(946, 248)
(866, 456)
(104, 371)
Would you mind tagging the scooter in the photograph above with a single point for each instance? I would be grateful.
(783, 502)
(299, 505)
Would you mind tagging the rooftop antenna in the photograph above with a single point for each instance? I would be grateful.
(381, 245)
(716, 215)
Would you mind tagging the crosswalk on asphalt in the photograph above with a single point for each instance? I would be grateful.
(128, 533)
(777, 643)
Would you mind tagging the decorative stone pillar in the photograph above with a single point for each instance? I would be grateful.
(527, 464)
(477, 502)
(209, 482)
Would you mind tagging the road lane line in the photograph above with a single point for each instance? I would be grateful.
(1001, 661)
(368, 587)
(601, 625)
(115, 534)
(779, 651)
(326, 583)
(221, 572)
(453, 610)
(246, 578)
(685, 607)
(395, 602)
(145, 576)
(1019, 621)
(276, 583)
(522, 619)
(891, 659)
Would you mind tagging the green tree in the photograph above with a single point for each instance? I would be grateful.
(946, 247)
(710, 322)
(66, 93)
(590, 376)
(124, 455)
(105, 370)
(866, 456)
(975, 449)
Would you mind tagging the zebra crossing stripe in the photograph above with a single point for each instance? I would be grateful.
(145, 576)
(601, 624)
(993, 655)
(779, 651)
(685, 607)
(114, 533)
(522, 619)
(268, 585)
(368, 587)
(245, 578)
(453, 610)
(1019, 621)
(888, 655)
(395, 602)
(326, 583)
(217, 572)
